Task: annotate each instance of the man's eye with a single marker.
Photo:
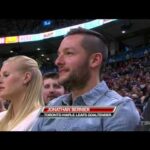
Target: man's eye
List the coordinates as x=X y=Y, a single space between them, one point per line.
x=69 y=53
x=57 y=86
x=6 y=75
x=46 y=86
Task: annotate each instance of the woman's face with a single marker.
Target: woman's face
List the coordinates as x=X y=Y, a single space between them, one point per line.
x=11 y=81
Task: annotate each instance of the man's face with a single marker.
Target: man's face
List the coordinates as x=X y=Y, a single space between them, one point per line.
x=73 y=62
x=52 y=89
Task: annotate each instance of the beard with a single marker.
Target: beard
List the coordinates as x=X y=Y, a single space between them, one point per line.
x=78 y=78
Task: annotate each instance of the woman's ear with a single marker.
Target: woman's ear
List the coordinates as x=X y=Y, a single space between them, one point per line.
x=95 y=60
x=27 y=77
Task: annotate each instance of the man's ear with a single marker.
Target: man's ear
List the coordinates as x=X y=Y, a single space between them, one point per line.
x=27 y=77
x=95 y=60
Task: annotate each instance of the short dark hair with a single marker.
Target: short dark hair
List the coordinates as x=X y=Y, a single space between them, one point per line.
x=92 y=45
x=53 y=75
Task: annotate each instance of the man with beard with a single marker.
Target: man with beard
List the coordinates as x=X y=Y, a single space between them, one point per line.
x=51 y=88
x=81 y=56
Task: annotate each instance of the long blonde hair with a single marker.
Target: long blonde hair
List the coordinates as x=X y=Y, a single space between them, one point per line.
x=33 y=94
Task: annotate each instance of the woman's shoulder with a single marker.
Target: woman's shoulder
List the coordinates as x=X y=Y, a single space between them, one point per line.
x=2 y=114
x=27 y=123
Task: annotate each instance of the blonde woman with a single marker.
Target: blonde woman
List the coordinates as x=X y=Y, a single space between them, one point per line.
x=21 y=83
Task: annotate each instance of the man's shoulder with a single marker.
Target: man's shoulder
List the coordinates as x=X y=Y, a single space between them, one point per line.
x=114 y=98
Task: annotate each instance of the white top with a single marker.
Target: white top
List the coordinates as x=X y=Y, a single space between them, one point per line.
x=27 y=123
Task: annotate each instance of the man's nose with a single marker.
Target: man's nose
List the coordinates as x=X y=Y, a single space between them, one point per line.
x=59 y=60
x=0 y=80
x=51 y=90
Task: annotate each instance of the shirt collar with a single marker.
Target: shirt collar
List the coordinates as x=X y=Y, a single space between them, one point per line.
x=67 y=101
x=94 y=95
x=89 y=98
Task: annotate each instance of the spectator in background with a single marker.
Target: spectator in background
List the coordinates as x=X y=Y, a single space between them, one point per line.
x=138 y=103
x=146 y=117
x=146 y=98
x=21 y=83
x=145 y=121
x=51 y=87
x=81 y=55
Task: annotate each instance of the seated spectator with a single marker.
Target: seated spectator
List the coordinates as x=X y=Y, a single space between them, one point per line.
x=21 y=83
x=81 y=55
x=51 y=88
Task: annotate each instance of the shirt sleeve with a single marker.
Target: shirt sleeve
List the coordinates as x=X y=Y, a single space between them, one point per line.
x=125 y=118
x=38 y=125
